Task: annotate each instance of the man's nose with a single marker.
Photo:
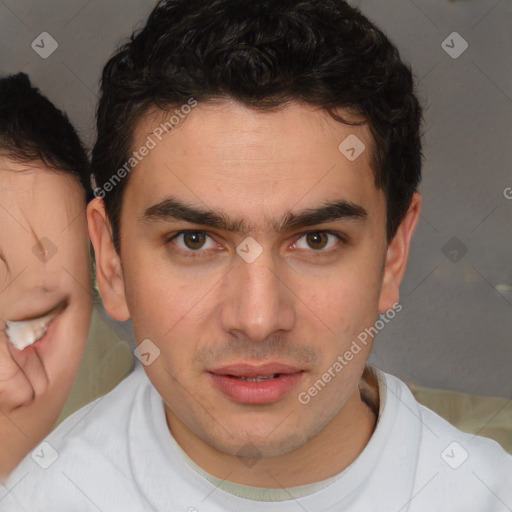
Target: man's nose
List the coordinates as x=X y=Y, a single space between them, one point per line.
x=257 y=300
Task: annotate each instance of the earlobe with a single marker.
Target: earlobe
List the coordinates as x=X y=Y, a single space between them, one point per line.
x=108 y=265
x=397 y=256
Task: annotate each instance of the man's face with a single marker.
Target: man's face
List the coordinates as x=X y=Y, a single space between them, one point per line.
x=44 y=270
x=217 y=309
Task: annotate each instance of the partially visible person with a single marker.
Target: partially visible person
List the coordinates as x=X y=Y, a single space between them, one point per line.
x=45 y=268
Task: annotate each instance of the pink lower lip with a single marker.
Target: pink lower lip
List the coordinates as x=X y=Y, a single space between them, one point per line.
x=256 y=393
x=42 y=344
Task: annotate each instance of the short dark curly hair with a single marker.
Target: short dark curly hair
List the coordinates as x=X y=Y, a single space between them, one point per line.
x=33 y=129
x=264 y=54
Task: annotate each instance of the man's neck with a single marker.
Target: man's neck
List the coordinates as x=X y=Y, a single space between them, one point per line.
x=323 y=456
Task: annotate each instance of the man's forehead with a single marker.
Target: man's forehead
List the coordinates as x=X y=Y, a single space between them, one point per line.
x=228 y=136
x=302 y=126
x=204 y=168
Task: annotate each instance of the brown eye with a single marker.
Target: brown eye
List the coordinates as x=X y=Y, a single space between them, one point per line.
x=194 y=240
x=317 y=240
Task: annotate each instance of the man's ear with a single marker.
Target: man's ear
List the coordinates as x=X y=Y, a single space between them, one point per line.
x=397 y=255
x=108 y=265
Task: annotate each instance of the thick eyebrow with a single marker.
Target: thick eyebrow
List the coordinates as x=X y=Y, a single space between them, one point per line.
x=330 y=212
x=171 y=209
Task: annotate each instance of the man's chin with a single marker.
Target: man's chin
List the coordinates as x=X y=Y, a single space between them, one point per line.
x=256 y=441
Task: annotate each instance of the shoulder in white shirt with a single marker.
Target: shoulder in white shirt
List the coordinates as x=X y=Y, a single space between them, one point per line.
x=117 y=454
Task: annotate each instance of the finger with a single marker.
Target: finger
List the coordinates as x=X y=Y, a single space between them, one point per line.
x=15 y=388
x=32 y=365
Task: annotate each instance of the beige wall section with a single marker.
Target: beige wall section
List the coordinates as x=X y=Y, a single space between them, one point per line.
x=107 y=360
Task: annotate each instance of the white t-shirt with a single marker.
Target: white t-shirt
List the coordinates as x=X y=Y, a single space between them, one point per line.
x=118 y=455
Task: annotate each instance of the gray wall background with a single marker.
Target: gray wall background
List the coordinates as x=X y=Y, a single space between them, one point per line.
x=455 y=329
